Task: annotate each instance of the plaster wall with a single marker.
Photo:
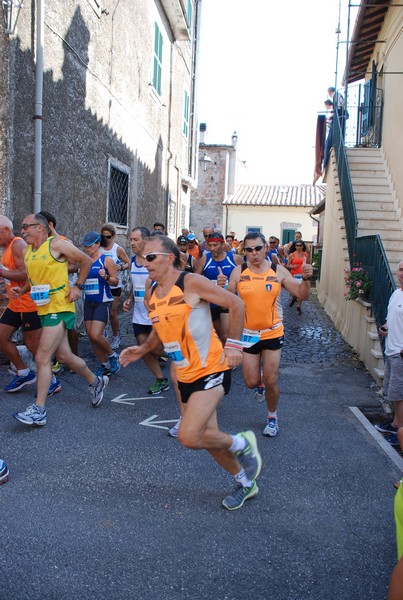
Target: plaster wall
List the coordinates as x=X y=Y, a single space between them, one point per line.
x=271 y=219
x=98 y=105
x=389 y=59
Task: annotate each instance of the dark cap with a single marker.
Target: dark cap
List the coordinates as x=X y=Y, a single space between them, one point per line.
x=182 y=239
x=90 y=238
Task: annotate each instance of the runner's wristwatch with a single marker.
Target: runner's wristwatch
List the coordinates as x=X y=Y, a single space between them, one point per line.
x=79 y=285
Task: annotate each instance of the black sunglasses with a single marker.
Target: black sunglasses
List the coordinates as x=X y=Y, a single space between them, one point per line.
x=153 y=256
x=298 y=245
x=256 y=248
x=25 y=226
x=108 y=237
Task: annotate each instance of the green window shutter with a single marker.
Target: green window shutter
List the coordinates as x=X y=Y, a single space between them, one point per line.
x=185 y=129
x=157 y=70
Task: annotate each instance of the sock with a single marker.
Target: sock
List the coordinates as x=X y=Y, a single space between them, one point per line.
x=242 y=479
x=95 y=382
x=272 y=415
x=54 y=380
x=114 y=355
x=106 y=364
x=238 y=443
x=40 y=408
x=23 y=372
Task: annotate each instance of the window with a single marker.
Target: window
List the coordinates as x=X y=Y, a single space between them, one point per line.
x=157 y=68
x=185 y=128
x=287 y=236
x=252 y=229
x=118 y=197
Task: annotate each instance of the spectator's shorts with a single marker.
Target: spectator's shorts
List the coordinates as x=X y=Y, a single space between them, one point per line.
x=393 y=379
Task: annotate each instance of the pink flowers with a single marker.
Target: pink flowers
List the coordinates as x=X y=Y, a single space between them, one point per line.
x=358 y=283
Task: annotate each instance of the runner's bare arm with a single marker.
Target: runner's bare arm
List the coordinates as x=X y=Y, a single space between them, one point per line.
x=20 y=273
x=300 y=290
x=133 y=353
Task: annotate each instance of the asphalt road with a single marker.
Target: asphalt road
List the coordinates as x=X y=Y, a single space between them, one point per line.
x=102 y=506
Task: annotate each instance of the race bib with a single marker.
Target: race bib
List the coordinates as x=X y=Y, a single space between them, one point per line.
x=40 y=294
x=250 y=337
x=173 y=350
x=139 y=293
x=91 y=286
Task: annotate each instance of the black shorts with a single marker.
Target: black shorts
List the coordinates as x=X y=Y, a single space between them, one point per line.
x=28 y=321
x=138 y=328
x=216 y=311
x=273 y=344
x=97 y=311
x=205 y=383
x=116 y=292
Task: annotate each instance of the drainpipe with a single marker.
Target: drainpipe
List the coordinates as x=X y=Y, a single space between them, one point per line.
x=38 y=106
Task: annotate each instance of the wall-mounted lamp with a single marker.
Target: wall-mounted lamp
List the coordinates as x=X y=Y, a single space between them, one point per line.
x=205 y=161
x=11 y=12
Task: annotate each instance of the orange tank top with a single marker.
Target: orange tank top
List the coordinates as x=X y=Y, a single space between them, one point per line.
x=296 y=264
x=23 y=303
x=187 y=333
x=263 y=311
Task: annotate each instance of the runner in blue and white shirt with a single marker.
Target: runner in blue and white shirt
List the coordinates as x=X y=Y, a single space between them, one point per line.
x=217 y=265
x=141 y=322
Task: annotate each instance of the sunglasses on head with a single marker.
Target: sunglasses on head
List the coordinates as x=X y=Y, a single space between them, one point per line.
x=153 y=255
x=256 y=248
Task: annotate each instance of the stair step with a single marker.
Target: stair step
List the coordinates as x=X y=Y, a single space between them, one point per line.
x=379 y=225
x=379 y=372
x=369 y=181
x=392 y=245
x=393 y=234
x=377 y=353
x=374 y=198
x=359 y=188
x=385 y=215
x=369 y=319
x=373 y=335
x=359 y=174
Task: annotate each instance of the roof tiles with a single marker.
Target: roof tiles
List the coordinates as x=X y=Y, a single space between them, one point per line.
x=305 y=196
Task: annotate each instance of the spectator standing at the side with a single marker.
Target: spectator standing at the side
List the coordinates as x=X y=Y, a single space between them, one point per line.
x=392 y=331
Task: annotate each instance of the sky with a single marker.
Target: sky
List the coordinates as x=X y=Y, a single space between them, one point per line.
x=264 y=70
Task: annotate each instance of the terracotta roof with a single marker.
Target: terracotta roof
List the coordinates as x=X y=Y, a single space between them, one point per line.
x=369 y=22
x=305 y=196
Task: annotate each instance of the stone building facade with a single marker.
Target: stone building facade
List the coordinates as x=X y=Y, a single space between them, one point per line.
x=119 y=141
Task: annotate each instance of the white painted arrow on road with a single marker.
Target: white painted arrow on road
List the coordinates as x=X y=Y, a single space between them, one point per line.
x=130 y=401
x=150 y=423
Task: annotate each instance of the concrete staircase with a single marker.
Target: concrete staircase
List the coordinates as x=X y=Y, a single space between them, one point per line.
x=377 y=213
x=375 y=201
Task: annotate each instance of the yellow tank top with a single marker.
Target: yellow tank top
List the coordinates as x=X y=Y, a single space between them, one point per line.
x=44 y=269
x=261 y=295
x=187 y=334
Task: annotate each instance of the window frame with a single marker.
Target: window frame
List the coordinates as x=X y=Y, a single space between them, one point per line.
x=114 y=163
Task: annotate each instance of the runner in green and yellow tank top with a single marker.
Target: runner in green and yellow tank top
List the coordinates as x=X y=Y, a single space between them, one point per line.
x=46 y=260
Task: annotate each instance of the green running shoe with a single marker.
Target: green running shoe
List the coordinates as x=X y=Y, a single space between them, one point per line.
x=249 y=458
x=239 y=495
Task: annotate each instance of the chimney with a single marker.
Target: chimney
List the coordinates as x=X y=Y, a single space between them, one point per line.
x=203 y=129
